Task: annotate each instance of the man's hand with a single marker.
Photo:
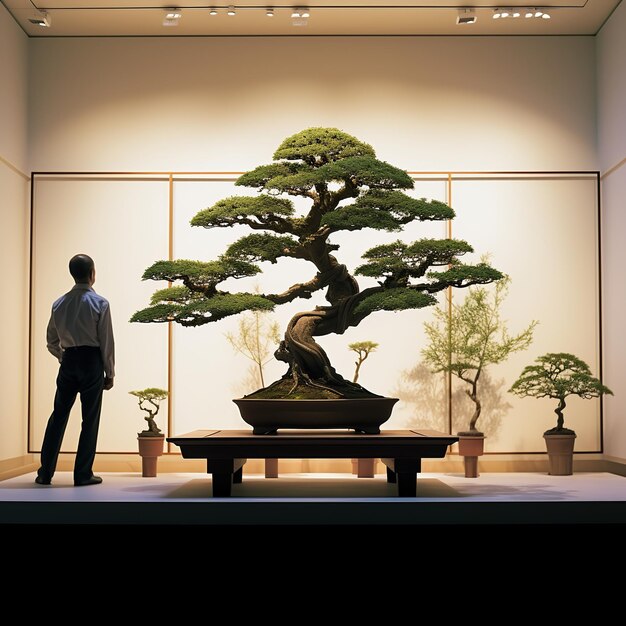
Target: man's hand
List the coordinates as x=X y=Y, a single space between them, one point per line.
x=108 y=384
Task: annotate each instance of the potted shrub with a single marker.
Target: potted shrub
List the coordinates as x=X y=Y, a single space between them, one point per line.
x=348 y=189
x=150 y=440
x=557 y=376
x=363 y=468
x=464 y=342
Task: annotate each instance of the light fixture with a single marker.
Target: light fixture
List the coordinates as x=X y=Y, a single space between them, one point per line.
x=172 y=17
x=516 y=14
x=529 y=13
x=545 y=16
x=466 y=16
x=300 y=16
x=213 y=12
x=41 y=18
x=231 y=11
x=269 y=12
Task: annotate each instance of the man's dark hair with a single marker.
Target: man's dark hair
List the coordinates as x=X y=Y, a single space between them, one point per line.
x=81 y=267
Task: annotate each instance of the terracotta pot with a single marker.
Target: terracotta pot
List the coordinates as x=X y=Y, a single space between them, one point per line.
x=364 y=415
x=470 y=448
x=150 y=449
x=560 y=454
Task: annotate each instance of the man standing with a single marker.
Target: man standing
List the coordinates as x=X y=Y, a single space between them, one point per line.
x=80 y=336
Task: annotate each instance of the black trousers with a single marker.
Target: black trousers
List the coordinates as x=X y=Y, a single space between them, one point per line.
x=81 y=372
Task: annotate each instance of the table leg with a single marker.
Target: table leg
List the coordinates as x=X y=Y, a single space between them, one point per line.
x=407 y=484
x=391 y=476
x=271 y=468
x=238 y=476
x=222 y=484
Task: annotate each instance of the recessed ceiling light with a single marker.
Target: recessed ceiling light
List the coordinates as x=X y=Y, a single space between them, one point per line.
x=41 y=18
x=466 y=16
x=231 y=11
x=269 y=12
x=213 y=12
x=172 y=17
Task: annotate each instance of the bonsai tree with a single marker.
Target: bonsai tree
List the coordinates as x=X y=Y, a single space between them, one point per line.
x=150 y=402
x=471 y=337
x=558 y=375
x=348 y=189
x=363 y=349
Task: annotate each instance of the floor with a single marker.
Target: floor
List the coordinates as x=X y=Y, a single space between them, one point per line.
x=528 y=498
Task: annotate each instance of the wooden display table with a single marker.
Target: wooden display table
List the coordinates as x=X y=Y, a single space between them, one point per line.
x=226 y=451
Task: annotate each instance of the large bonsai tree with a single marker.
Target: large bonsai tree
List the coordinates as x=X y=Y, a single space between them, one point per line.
x=349 y=189
x=472 y=336
x=558 y=375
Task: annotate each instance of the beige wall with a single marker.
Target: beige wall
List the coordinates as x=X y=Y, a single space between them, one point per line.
x=13 y=237
x=611 y=55
x=223 y=103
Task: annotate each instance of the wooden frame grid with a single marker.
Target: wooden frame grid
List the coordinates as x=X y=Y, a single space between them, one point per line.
x=447 y=177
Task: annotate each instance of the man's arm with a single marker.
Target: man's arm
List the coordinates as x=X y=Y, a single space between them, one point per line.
x=107 y=345
x=53 y=341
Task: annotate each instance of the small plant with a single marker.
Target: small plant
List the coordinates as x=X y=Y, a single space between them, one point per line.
x=150 y=401
x=257 y=338
x=470 y=338
x=363 y=349
x=558 y=375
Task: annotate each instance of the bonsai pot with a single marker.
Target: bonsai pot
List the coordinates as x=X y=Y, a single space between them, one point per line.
x=150 y=449
x=365 y=415
x=470 y=448
x=560 y=453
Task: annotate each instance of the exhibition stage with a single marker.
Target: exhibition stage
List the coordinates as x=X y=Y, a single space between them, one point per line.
x=324 y=499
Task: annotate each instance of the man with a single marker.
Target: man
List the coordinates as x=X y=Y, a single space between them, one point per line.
x=80 y=336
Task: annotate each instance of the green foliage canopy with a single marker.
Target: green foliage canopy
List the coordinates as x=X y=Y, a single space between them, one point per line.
x=558 y=375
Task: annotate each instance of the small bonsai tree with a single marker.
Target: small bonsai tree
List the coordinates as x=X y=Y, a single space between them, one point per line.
x=327 y=167
x=150 y=401
x=471 y=337
x=255 y=339
x=558 y=375
x=363 y=349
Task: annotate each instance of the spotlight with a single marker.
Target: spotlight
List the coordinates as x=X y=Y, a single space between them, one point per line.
x=213 y=12
x=546 y=16
x=300 y=16
x=172 y=17
x=496 y=15
x=516 y=14
x=504 y=14
x=231 y=11
x=269 y=12
x=41 y=18
x=538 y=13
x=466 y=16
x=529 y=13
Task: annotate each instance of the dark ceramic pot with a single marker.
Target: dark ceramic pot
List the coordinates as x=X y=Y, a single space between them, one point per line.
x=365 y=415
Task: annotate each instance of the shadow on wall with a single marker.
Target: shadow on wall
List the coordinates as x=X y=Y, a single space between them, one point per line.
x=424 y=394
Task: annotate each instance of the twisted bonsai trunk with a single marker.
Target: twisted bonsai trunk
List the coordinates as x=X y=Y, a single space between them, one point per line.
x=559 y=428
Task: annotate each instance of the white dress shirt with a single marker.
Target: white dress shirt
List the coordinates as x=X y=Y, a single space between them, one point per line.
x=81 y=317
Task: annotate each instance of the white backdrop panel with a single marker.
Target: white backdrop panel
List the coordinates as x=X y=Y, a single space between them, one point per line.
x=123 y=225
x=543 y=233
x=207 y=371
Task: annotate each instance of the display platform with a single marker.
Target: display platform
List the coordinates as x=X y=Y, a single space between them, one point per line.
x=227 y=451
x=324 y=499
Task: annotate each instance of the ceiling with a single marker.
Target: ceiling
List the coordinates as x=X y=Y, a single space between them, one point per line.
x=96 y=18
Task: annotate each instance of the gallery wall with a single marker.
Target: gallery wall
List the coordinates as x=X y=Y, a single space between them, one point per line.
x=224 y=104
x=611 y=59
x=13 y=236
x=466 y=103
